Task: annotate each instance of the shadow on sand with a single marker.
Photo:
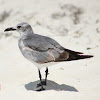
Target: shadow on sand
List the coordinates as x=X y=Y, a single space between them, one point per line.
x=51 y=85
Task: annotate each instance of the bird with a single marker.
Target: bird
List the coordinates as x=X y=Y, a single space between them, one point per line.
x=42 y=51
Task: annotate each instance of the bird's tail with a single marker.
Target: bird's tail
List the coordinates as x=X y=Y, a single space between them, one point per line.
x=73 y=55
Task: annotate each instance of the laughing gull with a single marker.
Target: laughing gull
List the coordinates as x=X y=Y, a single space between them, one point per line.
x=42 y=51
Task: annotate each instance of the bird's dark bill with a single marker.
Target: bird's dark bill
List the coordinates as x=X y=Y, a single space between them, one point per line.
x=10 y=29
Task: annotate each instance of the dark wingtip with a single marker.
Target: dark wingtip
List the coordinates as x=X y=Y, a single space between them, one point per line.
x=73 y=52
x=79 y=57
x=89 y=56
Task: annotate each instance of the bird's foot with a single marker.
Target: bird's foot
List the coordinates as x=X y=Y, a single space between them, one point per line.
x=41 y=89
x=40 y=84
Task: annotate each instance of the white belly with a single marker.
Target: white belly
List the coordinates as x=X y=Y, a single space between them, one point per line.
x=44 y=65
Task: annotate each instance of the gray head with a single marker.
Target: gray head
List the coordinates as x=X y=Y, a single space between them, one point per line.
x=22 y=28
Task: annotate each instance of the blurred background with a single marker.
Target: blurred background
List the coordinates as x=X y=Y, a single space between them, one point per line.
x=75 y=18
x=75 y=24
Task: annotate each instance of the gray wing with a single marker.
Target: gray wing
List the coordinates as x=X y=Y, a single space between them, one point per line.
x=42 y=43
x=45 y=49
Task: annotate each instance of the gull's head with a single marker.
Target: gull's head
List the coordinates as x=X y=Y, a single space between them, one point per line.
x=22 y=28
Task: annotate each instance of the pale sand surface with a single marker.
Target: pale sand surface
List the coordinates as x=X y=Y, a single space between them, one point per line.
x=75 y=24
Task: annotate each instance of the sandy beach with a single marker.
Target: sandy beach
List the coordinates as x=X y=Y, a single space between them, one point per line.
x=75 y=24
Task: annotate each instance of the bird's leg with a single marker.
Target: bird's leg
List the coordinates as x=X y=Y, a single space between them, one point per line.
x=45 y=81
x=40 y=82
x=46 y=75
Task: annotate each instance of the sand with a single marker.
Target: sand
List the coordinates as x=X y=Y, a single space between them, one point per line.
x=75 y=24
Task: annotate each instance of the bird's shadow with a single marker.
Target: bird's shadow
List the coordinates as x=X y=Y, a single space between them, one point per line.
x=51 y=85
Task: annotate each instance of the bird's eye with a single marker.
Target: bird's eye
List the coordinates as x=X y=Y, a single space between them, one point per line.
x=18 y=27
